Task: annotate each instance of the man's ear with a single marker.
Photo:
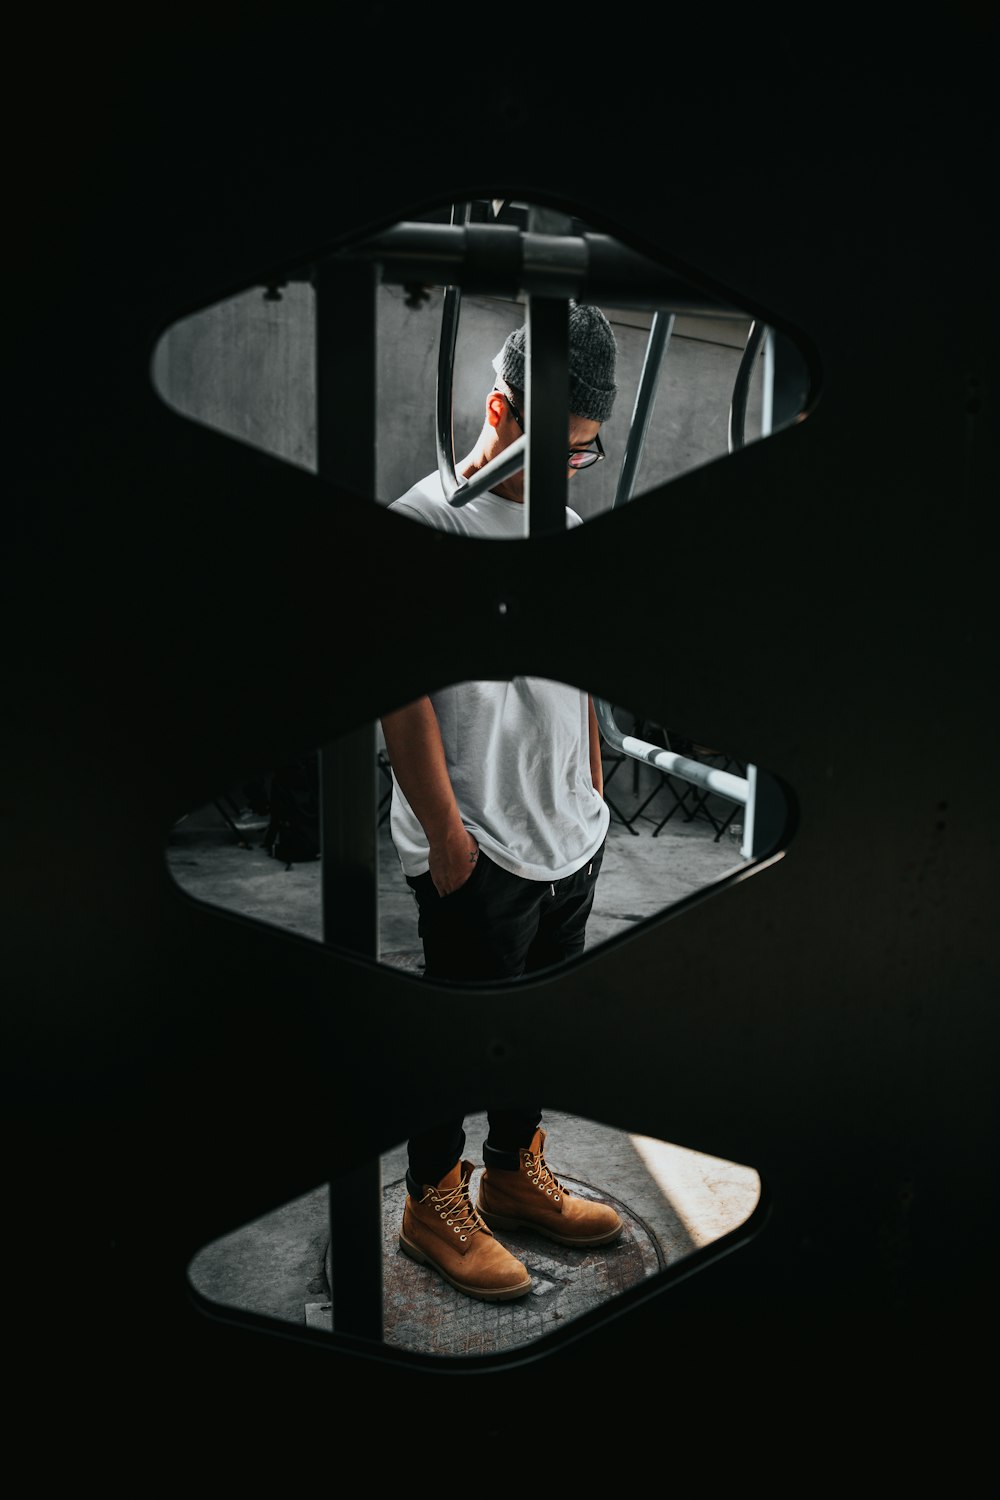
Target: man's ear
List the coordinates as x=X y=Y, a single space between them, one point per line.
x=495 y=408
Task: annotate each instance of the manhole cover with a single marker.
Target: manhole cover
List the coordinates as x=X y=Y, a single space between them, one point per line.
x=422 y=1312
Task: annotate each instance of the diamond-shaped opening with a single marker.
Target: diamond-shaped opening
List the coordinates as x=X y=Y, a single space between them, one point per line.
x=676 y=818
x=697 y=376
x=673 y=1202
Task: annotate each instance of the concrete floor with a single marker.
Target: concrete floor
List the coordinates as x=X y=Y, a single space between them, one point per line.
x=672 y=1200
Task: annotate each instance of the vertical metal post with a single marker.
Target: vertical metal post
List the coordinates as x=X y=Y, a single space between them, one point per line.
x=660 y=329
x=741 y=388
x=547 y=414
x=766 y=816
x=767 y=390
x=749 y=814
x=346 y=447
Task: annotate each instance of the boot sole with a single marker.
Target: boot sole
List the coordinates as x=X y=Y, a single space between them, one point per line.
x=499 y=1221
x=481 y=1293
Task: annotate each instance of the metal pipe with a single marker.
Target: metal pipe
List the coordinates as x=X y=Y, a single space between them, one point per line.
x=445 y=432
x=733 y=788
x=741 y=387
x=660 y=329
x=459 y=491
x=767 y=403
x=750 y=821
x=502 y=260
x=502 y=467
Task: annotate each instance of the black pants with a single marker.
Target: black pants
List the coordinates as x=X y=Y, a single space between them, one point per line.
x=495 y=926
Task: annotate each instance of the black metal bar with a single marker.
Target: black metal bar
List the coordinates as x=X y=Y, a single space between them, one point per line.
x=346 y=424
x=660 y=329
x=385 y=802
x=446 y=378
x=349 y=874
x=459 y=491
x=547 y=414
x=501 y=260
x=445 y=429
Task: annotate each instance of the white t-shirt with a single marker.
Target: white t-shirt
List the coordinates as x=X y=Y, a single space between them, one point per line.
x=517 y=752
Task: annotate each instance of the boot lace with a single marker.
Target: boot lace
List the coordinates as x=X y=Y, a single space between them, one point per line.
x=541 y=1174
x=457 y=1210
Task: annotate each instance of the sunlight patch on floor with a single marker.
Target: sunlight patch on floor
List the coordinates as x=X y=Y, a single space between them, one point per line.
x=711 y=1196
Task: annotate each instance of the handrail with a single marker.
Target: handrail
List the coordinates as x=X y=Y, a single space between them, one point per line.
x=710 y=778
x=445 y=393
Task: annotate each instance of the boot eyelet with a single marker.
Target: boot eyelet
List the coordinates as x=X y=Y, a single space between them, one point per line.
x=462 y=1237
x=549 y=1192
x=449 y=1222
x=458 y=1229
x=556 y=1198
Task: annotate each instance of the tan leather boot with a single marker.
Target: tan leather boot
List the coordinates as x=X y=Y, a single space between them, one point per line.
x=529 y=1197
x=442 y=1229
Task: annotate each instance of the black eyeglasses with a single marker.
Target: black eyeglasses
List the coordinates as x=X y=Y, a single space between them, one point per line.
x=578 y=458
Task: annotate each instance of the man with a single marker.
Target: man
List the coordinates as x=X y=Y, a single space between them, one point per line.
x=499 y=821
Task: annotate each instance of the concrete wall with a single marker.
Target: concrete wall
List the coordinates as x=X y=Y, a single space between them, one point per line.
x=246 y=366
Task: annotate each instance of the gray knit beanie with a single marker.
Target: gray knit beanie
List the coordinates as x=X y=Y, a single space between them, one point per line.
x=592 y=352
